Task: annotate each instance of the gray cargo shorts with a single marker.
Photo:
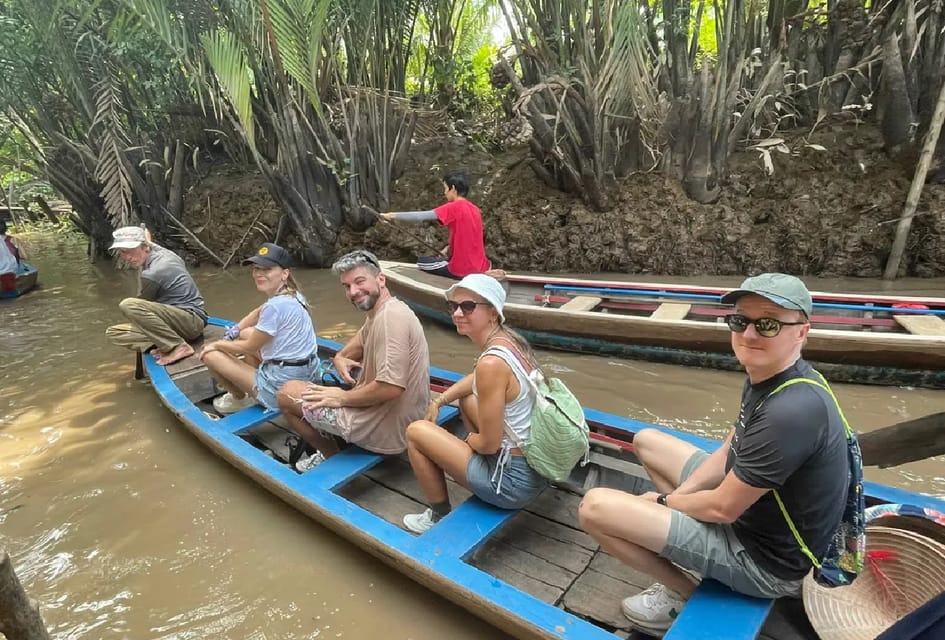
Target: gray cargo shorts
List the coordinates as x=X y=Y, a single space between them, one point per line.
x=714 y=551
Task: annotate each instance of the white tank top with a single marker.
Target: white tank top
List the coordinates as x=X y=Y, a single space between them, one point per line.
x=518 y=413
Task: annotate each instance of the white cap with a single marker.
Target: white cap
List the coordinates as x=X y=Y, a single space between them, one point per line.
x=487 y=287
x=128 y=238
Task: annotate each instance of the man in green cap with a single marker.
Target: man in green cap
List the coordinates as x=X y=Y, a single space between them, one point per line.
x=716 y=515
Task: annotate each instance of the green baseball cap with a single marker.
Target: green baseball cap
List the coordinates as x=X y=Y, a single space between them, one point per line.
x=780 y=288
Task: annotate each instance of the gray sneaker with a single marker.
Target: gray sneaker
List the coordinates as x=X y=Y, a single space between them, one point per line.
x=309 y=462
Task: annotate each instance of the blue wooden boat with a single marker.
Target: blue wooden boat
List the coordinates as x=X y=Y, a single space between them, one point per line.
x=24 y=279
x=854 y=338
x=533 y=573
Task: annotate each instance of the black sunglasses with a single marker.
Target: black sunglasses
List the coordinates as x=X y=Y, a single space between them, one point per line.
x=766 y=327
x=466 y=306
x=367 y=257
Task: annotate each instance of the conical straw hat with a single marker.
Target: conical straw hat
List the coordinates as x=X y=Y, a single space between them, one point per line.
x=903 y=571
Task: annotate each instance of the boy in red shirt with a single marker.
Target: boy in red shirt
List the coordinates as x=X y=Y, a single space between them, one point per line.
x=466 y=251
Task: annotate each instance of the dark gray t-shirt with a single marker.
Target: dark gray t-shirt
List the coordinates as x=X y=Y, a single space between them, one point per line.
x=165 y=279
x=795 y=443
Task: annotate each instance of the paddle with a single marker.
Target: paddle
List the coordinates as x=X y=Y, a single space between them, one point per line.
x=399 y=228
x=904 y=442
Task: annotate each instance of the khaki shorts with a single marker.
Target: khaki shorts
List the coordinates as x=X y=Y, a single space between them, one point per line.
x=714 y=551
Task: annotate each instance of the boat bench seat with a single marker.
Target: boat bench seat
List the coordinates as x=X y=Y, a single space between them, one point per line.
x=352 y=461
x=671 y=311
x=713 y=607
x=467 y=527
x=921 y=324
x=581 y=303
x=254 y=415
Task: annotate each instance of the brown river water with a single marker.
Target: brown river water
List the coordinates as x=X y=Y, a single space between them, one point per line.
x=124 y=526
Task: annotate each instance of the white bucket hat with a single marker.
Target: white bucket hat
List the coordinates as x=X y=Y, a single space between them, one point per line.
x=486 y=286
x=128 y=238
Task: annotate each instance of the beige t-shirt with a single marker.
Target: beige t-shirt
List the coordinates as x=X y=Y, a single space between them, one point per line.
x=395 y=352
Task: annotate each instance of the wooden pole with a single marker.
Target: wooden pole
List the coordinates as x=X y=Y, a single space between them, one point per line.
x=19 y=616
x=915 y=191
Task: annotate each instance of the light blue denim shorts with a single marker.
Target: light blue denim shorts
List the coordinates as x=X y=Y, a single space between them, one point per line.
x=520 y=484
x=270 y=376
x=714 y=551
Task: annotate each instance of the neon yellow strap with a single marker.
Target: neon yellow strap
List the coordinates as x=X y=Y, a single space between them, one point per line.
x=826 y=387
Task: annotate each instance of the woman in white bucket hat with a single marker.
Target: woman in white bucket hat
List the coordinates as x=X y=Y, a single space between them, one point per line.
x=494 y=399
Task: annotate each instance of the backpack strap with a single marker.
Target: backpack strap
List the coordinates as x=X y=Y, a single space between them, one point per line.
x=849 y=433
x=516 y=361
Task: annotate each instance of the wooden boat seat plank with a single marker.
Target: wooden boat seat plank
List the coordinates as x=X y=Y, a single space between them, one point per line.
x=714 y=606
x=210 y=333
x=581 y=303
x=340 y=468
x=196 y=384
x=246 y=419
x=466 y=528
x=671 y=311
x=922 y=325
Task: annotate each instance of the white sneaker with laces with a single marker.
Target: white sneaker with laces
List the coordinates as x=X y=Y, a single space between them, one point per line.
x=419 y=522
x=227 y=404
x=654 y=609
x=305 y=463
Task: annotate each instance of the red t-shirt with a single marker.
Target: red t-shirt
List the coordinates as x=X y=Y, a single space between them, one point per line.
x=467 y=249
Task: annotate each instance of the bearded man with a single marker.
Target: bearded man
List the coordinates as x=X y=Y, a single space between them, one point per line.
x=387 y=363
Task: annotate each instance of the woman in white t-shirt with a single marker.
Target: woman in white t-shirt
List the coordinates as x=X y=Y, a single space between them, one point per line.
x=273 y=344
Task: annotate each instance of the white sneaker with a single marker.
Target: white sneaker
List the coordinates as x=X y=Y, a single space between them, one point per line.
x=419 y=522
x=305 y=463
x=227 y=404
x=654 y=609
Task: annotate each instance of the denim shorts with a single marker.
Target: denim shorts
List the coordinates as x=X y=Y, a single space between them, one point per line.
x=520 y=484
x=714 y=551
x=270 y=376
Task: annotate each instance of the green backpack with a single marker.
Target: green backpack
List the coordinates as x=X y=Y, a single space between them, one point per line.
x=559 y=435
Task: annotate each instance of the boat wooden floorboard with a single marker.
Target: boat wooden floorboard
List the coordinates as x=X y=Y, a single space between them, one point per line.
x=541 y=551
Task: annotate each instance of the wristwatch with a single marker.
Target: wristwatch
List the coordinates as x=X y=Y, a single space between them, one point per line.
x=661 y=499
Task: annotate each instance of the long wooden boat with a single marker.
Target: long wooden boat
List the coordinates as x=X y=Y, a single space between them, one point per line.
x=532 y=573
x=24 y=279
x=864 y=339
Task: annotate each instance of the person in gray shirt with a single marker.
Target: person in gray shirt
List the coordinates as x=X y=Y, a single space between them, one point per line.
x=168 y=311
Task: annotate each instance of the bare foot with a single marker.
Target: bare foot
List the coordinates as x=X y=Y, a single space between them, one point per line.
x=157 y=353
x=180 y=352
x=498 y=274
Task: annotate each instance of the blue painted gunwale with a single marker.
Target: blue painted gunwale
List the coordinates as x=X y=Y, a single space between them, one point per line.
x=438 y=556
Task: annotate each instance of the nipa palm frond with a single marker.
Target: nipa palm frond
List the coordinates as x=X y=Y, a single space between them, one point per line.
x=229 y=64
x=111 y=170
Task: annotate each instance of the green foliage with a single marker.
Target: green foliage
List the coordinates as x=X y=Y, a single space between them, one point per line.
x=708 y=41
